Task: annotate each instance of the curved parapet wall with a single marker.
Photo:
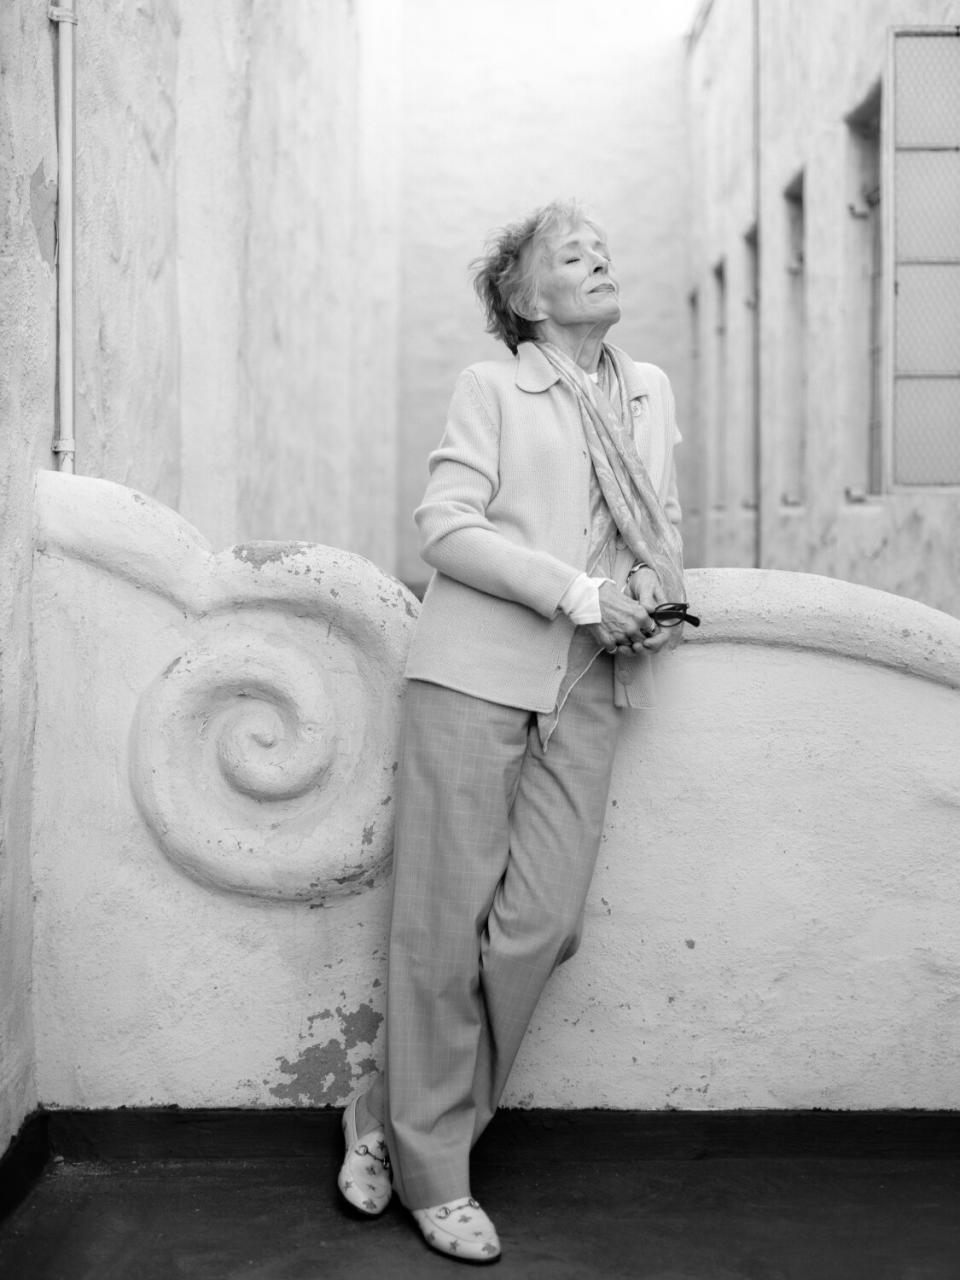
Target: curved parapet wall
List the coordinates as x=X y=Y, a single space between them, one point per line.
x=774 y=921
x=262 y=749
x=824 y=615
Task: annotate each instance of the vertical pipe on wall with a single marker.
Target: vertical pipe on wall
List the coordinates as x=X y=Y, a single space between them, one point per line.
x=65 y=17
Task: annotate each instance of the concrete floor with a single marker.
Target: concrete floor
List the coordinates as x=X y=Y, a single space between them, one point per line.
x=614 y=1215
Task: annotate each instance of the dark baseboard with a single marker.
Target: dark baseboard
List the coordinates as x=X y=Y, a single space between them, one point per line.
x=23 y=1162
x=174 y=1134
x=169 y=1133
x=701 y=1135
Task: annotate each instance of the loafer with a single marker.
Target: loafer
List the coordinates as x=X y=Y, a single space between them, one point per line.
x=364 y=1178
x=460 y=1229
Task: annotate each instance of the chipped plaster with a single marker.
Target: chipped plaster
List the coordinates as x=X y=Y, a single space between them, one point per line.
x=43 y=211
x=324 y=1073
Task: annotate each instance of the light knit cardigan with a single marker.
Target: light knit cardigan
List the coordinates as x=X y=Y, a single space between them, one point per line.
x=505 y=524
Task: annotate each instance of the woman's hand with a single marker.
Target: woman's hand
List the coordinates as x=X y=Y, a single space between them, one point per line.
x=625 y=624
x=644 y=586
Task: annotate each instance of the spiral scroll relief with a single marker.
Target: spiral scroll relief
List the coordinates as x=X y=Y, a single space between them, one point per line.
x=262 y=758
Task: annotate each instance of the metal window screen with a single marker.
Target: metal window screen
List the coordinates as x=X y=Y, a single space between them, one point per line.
x=928 y=205
x=928 y=319
x=926 y=239
x=927 y=108
x=927 y=443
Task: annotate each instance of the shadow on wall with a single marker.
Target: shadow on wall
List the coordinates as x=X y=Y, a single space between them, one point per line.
x=774 y=921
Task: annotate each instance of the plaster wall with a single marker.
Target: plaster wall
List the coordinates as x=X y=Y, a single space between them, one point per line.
x=28 y=166
x=285 y=205
x=502 y=112
x=237 y=264
x=321 y=277
x=774 y=922
x=819 y=61
x=213 y=104
x=235 y=285
x=128 y=393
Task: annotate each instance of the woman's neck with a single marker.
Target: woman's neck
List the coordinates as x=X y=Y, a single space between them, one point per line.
x=583 y=345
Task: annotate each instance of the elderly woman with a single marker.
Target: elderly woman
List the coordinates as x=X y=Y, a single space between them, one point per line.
x=550 y=519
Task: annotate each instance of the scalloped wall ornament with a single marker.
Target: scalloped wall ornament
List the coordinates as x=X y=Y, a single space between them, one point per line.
x=262 y=757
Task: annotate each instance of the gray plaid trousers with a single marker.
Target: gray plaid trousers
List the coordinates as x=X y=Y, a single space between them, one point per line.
x=496 y=843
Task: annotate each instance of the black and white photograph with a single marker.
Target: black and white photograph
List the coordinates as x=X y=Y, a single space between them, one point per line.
x=480 y=642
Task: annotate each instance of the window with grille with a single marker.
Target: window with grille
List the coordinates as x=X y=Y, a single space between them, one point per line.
x=923 y=186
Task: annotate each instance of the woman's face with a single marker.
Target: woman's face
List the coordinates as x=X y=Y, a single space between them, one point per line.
x=575 y=280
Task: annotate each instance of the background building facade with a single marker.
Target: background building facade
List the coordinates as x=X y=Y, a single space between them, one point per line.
x=824 y=291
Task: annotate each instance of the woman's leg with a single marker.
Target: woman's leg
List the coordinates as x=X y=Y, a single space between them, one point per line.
x=555 y=828
x=460 y=761
x=372 y=1106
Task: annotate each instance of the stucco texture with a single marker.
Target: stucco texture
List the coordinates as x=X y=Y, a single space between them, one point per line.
x=28 y=170
x=320 y=266
x=774 y=921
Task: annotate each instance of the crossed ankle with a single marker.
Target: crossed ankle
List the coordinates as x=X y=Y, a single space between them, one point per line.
x=366 y=1121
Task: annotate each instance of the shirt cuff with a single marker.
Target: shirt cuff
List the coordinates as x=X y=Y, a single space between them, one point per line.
x=581 y=600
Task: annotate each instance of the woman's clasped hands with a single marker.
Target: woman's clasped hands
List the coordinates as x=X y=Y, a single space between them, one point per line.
x=626 y=624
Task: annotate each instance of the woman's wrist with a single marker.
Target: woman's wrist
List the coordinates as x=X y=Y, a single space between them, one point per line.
x=581 y=600
x=634 y=569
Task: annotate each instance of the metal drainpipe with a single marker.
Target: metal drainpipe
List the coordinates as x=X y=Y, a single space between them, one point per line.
x=66 y=19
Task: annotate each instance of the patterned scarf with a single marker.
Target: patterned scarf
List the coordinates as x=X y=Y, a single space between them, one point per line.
x=624 y=481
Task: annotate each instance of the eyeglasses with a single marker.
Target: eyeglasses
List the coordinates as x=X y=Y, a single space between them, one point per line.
x=672 y=614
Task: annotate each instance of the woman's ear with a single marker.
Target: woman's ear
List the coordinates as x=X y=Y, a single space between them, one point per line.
x=529 y=309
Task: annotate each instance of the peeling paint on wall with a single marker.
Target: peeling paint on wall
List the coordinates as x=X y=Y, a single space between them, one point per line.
x=361 y=1026
x=323 y=1074
x=259 y=554
x=43 y=212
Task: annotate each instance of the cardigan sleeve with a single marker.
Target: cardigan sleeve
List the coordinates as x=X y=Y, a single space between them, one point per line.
x=457 y=537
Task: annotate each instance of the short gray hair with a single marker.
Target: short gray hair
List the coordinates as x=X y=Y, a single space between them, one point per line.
x=505 y=276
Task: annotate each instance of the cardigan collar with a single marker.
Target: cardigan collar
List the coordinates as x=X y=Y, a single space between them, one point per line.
x=536 y=373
